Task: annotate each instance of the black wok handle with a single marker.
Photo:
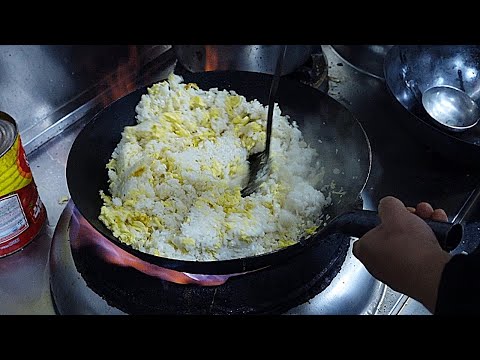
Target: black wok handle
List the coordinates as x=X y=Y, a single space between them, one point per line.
x=358 y=222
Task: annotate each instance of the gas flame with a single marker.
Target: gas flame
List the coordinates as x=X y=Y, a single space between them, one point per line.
x=122 y=80
x=83 y=234
x=211 y=58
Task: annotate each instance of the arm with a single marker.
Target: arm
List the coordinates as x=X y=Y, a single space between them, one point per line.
x=459 y=288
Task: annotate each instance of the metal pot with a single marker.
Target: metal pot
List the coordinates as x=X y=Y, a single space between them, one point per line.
x=254 y=58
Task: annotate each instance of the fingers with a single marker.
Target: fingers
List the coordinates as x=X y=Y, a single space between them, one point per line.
x=424 y=210
x=389 y=208
x=439 y=215
x=411 y=209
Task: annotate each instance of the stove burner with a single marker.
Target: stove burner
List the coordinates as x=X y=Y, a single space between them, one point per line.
x=272 y=290
x=138 y=290
x=135 y=287
x=82 y=282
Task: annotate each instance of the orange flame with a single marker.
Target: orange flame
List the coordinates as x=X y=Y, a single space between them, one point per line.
x=85 y=234
x=211 y=58
x=122 y=80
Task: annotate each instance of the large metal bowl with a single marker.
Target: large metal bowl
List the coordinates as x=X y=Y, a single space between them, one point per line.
x=409 y=70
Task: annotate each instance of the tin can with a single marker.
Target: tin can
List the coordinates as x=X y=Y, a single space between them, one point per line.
x=22 y=213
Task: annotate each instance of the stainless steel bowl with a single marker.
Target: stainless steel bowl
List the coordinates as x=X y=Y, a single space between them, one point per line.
x=254 y=58
x=410 y=70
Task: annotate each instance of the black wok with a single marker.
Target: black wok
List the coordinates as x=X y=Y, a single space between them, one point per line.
x=326 y=125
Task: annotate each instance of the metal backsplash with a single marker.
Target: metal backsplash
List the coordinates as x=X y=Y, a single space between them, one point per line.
x=40 y=85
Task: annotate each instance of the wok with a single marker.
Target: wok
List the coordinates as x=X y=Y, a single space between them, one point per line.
x=326 y=124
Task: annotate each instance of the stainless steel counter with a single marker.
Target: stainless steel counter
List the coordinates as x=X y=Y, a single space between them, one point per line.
x=401 y=167
x=24 y=275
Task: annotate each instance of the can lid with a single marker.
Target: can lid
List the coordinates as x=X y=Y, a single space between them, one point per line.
x=8 y=134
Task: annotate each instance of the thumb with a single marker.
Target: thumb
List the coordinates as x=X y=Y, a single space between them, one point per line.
x=390 y=208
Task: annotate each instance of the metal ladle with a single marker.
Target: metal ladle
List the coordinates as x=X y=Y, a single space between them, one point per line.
x=450 y=107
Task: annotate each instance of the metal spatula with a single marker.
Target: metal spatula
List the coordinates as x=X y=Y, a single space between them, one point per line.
x=260 y=162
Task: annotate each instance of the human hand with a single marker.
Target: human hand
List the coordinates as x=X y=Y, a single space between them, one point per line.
x=403 y=251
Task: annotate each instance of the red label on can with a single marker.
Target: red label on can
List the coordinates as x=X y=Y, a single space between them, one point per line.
x=22 y=215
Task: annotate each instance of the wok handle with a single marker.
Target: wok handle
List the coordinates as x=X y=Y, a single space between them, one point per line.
x=358 y=222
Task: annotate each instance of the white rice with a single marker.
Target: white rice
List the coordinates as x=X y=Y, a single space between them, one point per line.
x=175 y=177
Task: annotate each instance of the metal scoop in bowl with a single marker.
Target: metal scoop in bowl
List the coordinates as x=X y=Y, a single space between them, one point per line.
x=450 y=107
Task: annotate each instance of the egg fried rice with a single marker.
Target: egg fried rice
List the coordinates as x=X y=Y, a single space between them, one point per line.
x=175 y=177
